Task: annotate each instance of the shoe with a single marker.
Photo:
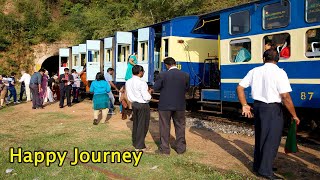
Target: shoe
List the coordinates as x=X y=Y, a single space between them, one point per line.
x=123 y=116
x=17 y=102
x=181 y=152
x=111 y=113
x=34 y=108
x=69 y=105
x=159 y=152
x=40 y=108
x=61 y=106
x=274 y=169
x=95 y=122
x=272 y=177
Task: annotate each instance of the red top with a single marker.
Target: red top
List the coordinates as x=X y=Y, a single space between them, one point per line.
x=285 y=52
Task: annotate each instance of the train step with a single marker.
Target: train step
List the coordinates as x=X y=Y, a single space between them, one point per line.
x=213 y=112
x=209 y=102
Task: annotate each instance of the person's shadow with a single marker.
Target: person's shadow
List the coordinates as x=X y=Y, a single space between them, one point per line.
x=291 y=167
x=225 y=145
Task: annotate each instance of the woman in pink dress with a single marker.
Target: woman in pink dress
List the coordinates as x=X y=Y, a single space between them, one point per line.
x=44 y=85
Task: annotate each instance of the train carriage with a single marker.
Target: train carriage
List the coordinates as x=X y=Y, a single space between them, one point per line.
x=283 y=23
x=64 y=59
x=94 y=54
x=76 y=62
x=108 y=53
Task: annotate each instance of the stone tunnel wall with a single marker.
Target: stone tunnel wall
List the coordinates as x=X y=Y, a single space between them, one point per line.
x=43 y=51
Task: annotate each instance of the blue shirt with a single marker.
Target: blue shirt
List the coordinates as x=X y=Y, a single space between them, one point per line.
x=36 y=78
x=100 y=87
x=243 y=56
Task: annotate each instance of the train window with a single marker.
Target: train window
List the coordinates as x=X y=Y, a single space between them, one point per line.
x=95 y=55
x=64 y=61
x=108 y=55
x=240 y=50
x=313 y=43
x=276 y=15
x=312 y=11
x=83 y=59
x=166 y=47
x=239 y=23
x=280 y=42
x=75 y=60
x=124 y=53
x=144 y=50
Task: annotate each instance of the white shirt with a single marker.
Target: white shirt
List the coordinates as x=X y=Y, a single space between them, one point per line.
x=25 y=78
x=137 y=90
x=77 y=80
x=108 y=77
x=173 y=67
x=267 y=83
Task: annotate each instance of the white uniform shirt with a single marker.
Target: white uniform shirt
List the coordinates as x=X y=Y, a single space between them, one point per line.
x=25 y=78
x=267 y=83
x=137 y=90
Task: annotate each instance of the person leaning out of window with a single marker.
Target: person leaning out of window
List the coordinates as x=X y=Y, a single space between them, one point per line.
x=100 y=89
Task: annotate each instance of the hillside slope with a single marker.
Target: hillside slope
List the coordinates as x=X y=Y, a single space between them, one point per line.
x=25 y=23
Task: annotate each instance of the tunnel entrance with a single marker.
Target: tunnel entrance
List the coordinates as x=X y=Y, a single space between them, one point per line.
x=51 y=64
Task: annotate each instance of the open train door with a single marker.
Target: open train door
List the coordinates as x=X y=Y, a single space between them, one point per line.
x=93 y=59
x=146 y=52
x=108 y=53
x=64 y=59
x=123 y=49
x=76 y=62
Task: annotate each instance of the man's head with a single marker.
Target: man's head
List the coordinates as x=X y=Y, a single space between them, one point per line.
x=23 y=71
x=73 y=71
x=1 y=77
x=169 y=62
x=13 y=74
x=110 y=71
x=42 y=71
x=66 y=70
x=138 y=70
x=267 y=45
x=270 y=56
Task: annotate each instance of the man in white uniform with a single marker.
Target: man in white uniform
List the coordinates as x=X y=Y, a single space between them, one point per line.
x=270 y=88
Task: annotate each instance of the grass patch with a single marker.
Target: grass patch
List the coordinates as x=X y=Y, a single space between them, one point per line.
x=62 y=132
x=55 y=115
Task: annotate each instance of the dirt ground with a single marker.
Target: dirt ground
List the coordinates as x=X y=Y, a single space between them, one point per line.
x=221 y=151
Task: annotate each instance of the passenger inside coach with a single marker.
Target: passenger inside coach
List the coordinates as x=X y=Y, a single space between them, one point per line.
x=285 y=49
x=243 y=54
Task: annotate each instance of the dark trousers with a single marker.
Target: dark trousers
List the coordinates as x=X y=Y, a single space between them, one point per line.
x=179 y=121
x=141 y=119
x=65 y=91
x=268 y=130
x=75 y=92
x=36 y=102
x=22 y=91
x=13 y=93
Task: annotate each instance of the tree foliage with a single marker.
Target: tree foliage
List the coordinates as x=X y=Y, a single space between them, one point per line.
x=36 y=21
